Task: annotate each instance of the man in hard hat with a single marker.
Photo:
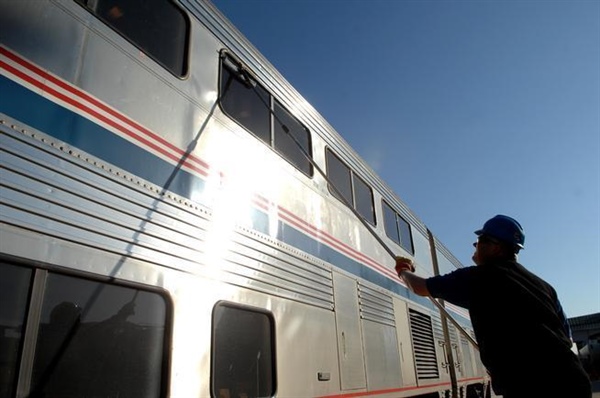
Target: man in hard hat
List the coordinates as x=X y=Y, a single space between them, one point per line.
x=523 y=335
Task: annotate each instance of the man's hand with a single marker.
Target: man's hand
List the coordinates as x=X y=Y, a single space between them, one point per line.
x=404 y=264
x=414 y=282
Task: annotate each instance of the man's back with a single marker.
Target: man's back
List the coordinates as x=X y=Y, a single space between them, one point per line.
x=519 y=324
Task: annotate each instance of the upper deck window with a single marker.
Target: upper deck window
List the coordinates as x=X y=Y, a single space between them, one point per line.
x=253 y=107
x=157 y=27
x=397 y=228
x=350 y=186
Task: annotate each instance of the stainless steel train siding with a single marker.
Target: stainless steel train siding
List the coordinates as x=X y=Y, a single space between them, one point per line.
x=155 y=243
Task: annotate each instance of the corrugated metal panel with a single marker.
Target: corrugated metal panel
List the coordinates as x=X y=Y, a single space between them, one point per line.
x=424 y=345
x=73 y=196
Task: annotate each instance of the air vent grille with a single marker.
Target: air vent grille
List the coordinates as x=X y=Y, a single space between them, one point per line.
x=424 y=345
x=375 y=306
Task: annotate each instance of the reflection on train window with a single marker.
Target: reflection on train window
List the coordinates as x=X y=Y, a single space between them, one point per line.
x=243 y=353
x=14 y=291
x=397 y=228
x=291 y=139
x=98 y=340
x=157 y=27
x=363 y=199
x=249 y=104
x=352 y=188
x=341 y=176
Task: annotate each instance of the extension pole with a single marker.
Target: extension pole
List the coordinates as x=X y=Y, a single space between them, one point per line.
x=382 y=243
x=377 y=237
x=433 y=300
x=248 y=79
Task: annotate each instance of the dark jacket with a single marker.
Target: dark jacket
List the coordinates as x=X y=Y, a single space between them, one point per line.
x=523 y=335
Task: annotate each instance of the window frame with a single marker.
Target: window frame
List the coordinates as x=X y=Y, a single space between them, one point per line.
x=329 y=153
x=36 y=299
x=272 y=340
x=244 y=77
x=336 y=190
x=371 y=198
x=398 y=220
x=183 y=58
x=14 y=362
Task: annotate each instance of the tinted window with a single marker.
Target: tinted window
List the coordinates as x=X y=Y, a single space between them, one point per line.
x=14 y=291
x=391 y=227
x=405 y=235
x=396 y=228
x=292 y=139
x=253 y=107
x=339 y=175
x=243 y=353
x=98 y=340
x=157 y=27
x=364 y=199
x=247 y=105
x=353 y=189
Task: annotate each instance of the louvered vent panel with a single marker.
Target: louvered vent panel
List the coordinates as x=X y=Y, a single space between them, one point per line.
x=463 y=340
x=375 y=306
x=424 y=345
x=453 y=335
x=438 y=331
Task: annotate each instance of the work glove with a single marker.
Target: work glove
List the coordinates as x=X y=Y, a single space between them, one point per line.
x=404 y=263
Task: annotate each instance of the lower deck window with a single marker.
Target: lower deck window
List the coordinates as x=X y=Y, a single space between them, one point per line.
x=14 y=291
x=92 y=338
x=243 y=352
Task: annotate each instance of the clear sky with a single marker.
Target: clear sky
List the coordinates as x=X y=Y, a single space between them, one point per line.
x=467 y=109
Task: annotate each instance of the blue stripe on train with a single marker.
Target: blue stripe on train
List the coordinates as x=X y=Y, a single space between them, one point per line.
x=44 y=115
x=307 y=244
x=68 y=126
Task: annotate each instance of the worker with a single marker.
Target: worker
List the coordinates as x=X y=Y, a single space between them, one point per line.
x=523 y=335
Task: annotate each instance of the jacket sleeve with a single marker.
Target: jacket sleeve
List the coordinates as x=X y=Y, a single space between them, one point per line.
x=455 y=287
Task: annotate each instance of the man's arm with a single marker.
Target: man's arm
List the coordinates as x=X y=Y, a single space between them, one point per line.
x=405 y=269
x=414 y=282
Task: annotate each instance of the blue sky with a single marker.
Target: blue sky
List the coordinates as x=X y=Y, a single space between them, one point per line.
x=467 y=109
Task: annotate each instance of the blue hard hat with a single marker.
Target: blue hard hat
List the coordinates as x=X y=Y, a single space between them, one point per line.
x=504 y=228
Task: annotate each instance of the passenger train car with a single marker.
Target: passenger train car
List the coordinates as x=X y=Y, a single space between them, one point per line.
x=177 y=221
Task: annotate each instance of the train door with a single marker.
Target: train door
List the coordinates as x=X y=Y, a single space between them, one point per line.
x=407 y=359
x=457 y=355
x=467 y=366
x=444 y=354
x=380 y=342
x=349 y=335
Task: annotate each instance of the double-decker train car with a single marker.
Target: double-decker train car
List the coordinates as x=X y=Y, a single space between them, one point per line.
x=177 y=221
